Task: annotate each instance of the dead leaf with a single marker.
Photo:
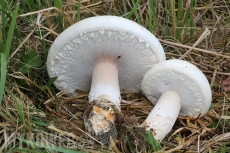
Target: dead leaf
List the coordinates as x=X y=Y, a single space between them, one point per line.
x=226 y=85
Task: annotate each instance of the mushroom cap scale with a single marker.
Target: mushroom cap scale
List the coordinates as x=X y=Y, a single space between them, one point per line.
x=183 y=77
x=77 y=50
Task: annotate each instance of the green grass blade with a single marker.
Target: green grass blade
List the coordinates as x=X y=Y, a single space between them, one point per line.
x=152 y=17
x=5 y=54
x=154 y=142
x=53 y=148
x=3 y=24
x=223 y=149
x=3 y=75
x=30 y=5
x=191 y=22
x=19 y=107
x=179 y=10
x=145 y=137
x=135 y=5
x=134 y=9
x=172 y=4
x=58 y=3
x=125 y=8
x=51 y=81
x=79 y=10
x=10 y=33
x=178 y=17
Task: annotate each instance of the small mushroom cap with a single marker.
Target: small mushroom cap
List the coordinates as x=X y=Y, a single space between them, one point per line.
x=77 y=50
x=183 y=77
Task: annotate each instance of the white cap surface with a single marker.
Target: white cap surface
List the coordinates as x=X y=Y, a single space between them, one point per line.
x=183 y=77
x=76 y=51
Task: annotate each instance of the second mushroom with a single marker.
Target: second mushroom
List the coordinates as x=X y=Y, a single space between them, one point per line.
x=177 y=88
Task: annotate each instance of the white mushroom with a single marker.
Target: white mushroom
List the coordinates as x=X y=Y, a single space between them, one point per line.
x=177 y=88
x=103 y=54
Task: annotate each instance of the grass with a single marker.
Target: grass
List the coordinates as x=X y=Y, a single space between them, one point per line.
x=31 y=106
x=152 y=141
x=6 y=50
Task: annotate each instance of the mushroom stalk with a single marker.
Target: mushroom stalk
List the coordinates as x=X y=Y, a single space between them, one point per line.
x=163 y=116
x=104 y=98
x=105 y=83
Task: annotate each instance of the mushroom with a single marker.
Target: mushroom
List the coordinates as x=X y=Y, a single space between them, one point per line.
x=177 y=88
x=103 y=54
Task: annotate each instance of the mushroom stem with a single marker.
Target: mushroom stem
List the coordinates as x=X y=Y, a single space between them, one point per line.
x=163 y=116
x=104 y=98
x=105 y=83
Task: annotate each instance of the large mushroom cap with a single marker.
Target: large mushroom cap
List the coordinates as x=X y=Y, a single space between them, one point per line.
x=76 y=50
x=183 y=77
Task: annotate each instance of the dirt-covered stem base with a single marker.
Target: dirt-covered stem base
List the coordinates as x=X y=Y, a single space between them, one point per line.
x=99 y=120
